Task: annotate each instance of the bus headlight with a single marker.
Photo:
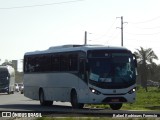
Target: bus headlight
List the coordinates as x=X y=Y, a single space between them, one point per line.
x=132 y=91
x=6 y=88
x=95 y=91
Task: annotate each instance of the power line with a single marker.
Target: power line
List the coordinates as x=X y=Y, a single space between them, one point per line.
x=143 y=34
x=18 y=7
x=107 y=31
x=132 y=39
x=146 y=21
x=147 y=28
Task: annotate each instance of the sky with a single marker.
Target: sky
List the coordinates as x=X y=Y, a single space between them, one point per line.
x=30 y=25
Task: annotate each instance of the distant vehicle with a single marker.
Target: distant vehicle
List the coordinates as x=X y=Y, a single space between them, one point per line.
x=16 y=87
x=7 y=79
x=81 y=74
x=153 y=83
x=21 y=87
x=150 y=83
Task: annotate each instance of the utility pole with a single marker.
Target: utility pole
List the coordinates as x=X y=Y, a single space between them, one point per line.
x=85 y=38
x=121 y=29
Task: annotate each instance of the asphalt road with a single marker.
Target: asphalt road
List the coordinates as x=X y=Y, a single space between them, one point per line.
x=18 y=103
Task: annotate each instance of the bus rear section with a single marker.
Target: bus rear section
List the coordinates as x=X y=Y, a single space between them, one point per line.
x=7 y=79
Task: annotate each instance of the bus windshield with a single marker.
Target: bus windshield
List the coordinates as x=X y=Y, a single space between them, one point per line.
x=3 y=77
x=3 y=74
x=116 y=70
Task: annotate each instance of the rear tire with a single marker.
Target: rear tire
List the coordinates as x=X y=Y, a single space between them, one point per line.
x=74 y=100
x=116 y=106
x=42 y=100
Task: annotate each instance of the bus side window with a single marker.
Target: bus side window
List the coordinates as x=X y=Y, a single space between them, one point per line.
x=82 y=66
x=56 y=63
x=73 y=62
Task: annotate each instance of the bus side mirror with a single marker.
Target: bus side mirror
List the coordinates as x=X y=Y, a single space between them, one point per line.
x=135 y=60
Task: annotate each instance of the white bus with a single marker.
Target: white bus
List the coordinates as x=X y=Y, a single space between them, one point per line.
x=81 y=75
x=7 y=79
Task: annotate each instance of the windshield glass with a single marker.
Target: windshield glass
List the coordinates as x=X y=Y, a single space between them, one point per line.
x=116 y=69
x=3 y=74
x=3 y=77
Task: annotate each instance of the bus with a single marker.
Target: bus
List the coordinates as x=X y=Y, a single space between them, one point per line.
x=7 y=79
x=81 y=74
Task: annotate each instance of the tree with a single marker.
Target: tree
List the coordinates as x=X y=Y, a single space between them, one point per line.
x=145 y=63
x=155 y=73
x=7 y=63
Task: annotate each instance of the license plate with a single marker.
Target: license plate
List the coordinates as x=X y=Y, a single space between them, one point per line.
x=115 y=100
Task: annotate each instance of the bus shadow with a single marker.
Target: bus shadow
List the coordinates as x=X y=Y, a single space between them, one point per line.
x=39 y=108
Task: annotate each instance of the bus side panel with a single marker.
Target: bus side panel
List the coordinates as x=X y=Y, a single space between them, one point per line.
x=83 y=94
x=59 y=86
x=31 y=92
x=57 y=94
x=56 y=86
x=31 y=86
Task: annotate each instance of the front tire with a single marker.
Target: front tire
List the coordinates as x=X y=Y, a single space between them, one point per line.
x=74 y=100
x=8 y=92
x=116 y=106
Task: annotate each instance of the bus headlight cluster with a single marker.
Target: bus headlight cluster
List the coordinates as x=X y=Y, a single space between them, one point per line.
x=6 y=88
x=95 y=91
x=132 y=91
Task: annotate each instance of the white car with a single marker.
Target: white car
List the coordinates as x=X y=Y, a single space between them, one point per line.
x=16 y=87
x=21 y=87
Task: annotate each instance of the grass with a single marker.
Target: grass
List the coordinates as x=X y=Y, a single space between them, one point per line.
x=144 y=100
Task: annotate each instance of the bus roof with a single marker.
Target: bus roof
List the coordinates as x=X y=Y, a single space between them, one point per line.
x=67 y=48
x=6 y=68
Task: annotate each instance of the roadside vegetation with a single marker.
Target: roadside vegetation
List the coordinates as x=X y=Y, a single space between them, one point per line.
x=144 y=100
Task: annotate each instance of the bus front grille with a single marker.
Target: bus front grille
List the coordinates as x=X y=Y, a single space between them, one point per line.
x=114 y=100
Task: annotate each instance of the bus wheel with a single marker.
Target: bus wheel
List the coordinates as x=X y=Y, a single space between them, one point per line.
x=116 y=106
x=74 y=100
x=8 y=92
x=42 y=100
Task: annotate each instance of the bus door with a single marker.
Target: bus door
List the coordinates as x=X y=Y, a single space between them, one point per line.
x=83 y=81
